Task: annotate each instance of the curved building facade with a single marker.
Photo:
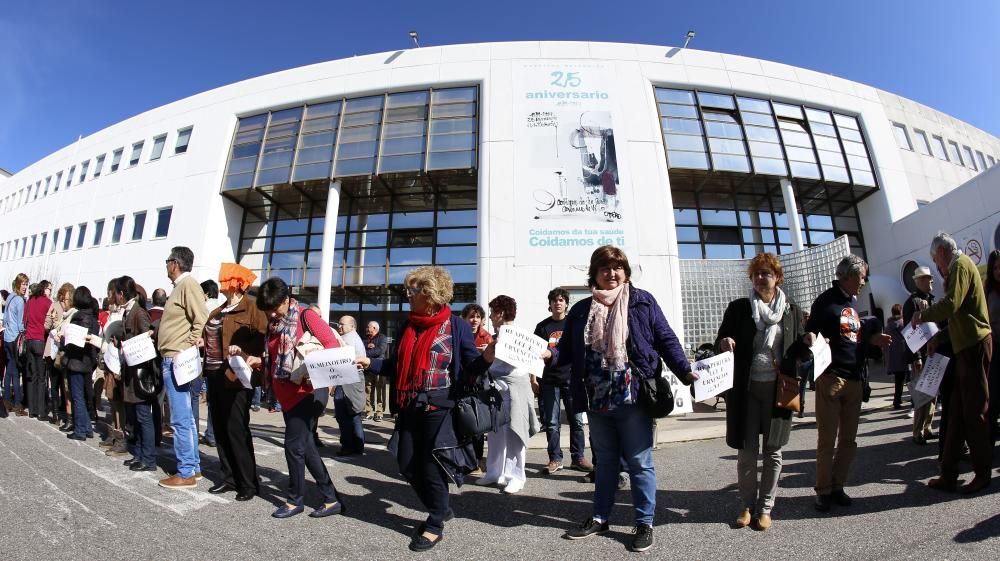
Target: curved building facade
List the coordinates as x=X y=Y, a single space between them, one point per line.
x=507 y=163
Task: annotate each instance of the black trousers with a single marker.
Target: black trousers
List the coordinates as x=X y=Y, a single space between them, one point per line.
x=899 y=378
x=301 y=453
x=418 y=430
x=38 y=380
x=230 y=412
x=57 y=391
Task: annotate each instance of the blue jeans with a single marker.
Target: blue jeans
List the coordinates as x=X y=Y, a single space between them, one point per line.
x=182 y=421
x=12 y=378
x=255 y=402
x=81 y=419
x=548 y=404
x=352 y=432
x=625 y=433
x=143 y=447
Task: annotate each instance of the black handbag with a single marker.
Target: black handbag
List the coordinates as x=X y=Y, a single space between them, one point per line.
x=656 y=399
x=480 y=411
x=21 y=350
x=148 y=382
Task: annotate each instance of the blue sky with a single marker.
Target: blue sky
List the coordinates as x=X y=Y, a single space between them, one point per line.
x=72 y=67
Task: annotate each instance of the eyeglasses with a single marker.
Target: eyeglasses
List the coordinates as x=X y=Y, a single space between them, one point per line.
x=169 y=261
x=765 y=274
x=411 y=291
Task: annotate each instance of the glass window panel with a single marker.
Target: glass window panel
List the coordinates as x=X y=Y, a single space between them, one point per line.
x=360 y=104
x=457 y=218
x=858 y=162
x=409 y=145
x=456 y=254
x=453 y=125
x=272 y=176
x=412 y=219
x=287 y=227
x=669 y=110
x=326 y=123
x=692 y=160
x=724 y=146
x=719 y=116
x=365 y=257
x=757 y=119
x=322 y=110
x=311 y=171
x=255 y=135
x=312 y=155
x=718 y=218
x=356 y=150
x=713 y=251
x=398 y=130
x=444 y=142
x=979 y=155
x=802 y=169
x=687 y=234
x=366 y=118
x=921 y=141
x=818 y=238
x=684 y=142
x=290 y=243
x=819 y=116
x=403 y=114
x=452 y=160
x=716 y=100
x=158 y=143
x=728 y=162
x=452 y=95
x=457 y=235
x=252 y=123
x=245 y=150
x=789 y=111
x=766 y=149
x=462 y=273
x=407 y=162
x=820 y=129
x=318 y=139
x=723 y=130
x=675 y=96
x=902 y=139
x=759 y=133
x=845 y=121
x=827 y=143
x=238 y=181
x=831 y=158
x=162 y=224
x=819 y=222
x=689 y=251
x=969 y=160
x=757 y=105
x=855 y=148
x=410 y=256
x=276 y=159
x=863 y=177
x=684 y=126
x=686 y=216
x=407 y=99
x=834 y=173
x=992 y=160
x=800 y=154
x=287 y=260
x=938 y=148
x=453 y=110
x=279 y=145
x=953 y=154
x=285 y=116
x=138 y=225
x=369 y=222
x=848 y=134
x=281 y=130
x=770 y=166
x=359 y=134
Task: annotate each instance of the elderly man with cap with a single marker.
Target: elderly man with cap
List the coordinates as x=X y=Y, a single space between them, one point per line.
x=964 y=307
x=920 y=299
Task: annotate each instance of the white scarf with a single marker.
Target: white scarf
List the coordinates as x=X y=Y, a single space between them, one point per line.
x=766 y=316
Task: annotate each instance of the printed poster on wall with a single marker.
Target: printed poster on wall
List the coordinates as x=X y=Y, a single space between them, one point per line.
x=569 y=181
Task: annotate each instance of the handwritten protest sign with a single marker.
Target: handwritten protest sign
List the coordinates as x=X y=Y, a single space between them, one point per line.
x=242 y=370
x=187 y=365
x=926 y=387
x=521 y=349
x=111 y=360
x=917 y=338
x=333 y=367
x=138 y=350
x=715 y=375
x=76 y=335
x=822 y=356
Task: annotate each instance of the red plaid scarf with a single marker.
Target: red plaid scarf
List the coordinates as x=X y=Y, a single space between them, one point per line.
x=414 y=354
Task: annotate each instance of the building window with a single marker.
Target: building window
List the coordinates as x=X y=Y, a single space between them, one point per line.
x=136 y=153
x=38 y=190
x=953 y=154
x=55 y=186
x=831 y=157
x=938 y=148
x=245 y=151
x=69 y=176
x=81 y=234
x=453 y=128
x=138 y=223
x=163 y=222
x=404 y=134
x=55 y=241
x=98 y=166
x=67 y=237
x=315 y=153
x=183 y=139
x=158 y=143
x=98 y=231
x=44 y=238
x=969 y=160
x=855 y=150
x=116 y=230
x=116 y=159
x=922 y=145
x=357 y=147
x=982 y=160
x=279 y=147
x=48 y=182
x=683 y=136
x=34 y=240
x=992 y=160
x=902 y=139
x=83 y=171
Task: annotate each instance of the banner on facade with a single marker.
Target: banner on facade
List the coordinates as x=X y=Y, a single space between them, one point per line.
x=568 y=177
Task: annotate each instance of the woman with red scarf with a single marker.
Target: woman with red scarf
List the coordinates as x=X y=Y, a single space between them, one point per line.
x=436 y=355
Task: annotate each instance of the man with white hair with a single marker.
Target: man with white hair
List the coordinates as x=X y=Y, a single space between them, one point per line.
x=963 y=306
x=834 y=315
x=377 y=385
x=349 y=400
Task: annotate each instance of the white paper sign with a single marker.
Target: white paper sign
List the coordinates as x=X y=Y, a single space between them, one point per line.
x=76 y=335
x=53 y=345
x=715 y=375
x=822 y=356
x=333 y=367
x=242 y=370
x=682 y=395
x=521 y=349
x=187 y=365
x=138 y=350
x=927 y=385
x=111 y=360
x=917 y=338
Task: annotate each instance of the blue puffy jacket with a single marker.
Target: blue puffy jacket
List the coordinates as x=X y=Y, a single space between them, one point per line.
x=651 y=339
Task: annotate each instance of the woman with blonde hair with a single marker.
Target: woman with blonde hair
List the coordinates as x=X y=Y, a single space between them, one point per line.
x=61 y=312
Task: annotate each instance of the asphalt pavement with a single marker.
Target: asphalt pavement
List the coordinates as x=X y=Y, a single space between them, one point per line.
x=62 y=499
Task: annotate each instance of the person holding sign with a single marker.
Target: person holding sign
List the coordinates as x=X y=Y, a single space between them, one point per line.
x=236 y=328
x=80 y=362
x=290 y=323
x=920 y=299
x=435 y=358
x=963 y=306
x=612 y=340
x=138 y=408
x=759 y=331
x=181 y=329
x=507 y=453
x=834 y=315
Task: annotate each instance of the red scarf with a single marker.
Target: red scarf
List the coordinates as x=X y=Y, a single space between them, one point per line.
x=414 y=353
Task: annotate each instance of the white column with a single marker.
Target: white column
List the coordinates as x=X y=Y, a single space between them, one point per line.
x=329 y=246
x=791 y=210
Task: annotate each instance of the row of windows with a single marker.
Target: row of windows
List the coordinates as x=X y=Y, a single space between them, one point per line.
x=720 y=132
x=76 y=237
x=42 y=188
x=937 y=147
x=391 y=133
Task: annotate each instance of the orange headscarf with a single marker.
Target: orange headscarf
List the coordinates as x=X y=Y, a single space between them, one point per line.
x=233 y=276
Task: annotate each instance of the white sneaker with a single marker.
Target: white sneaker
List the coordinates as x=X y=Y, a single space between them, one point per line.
x=513 y=487
x=909 y=414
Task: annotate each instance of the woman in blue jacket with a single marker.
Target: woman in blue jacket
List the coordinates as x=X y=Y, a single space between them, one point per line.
x=613 y=340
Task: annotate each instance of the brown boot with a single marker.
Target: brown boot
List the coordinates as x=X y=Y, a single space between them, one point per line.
x=941 y=484
x=743 y=520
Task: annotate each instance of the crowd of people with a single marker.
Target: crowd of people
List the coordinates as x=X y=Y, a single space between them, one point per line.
x=251 y=342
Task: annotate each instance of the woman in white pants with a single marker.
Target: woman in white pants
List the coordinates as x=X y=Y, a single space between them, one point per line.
x=505 y=461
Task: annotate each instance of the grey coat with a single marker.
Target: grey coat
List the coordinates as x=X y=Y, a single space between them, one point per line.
x=523 y=420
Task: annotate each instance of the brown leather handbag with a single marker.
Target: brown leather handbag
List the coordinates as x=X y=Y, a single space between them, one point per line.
x=786 y=393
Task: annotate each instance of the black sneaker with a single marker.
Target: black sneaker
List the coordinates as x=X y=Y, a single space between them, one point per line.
x=823 y=503
x=643 y=539
x=840 y=497
x=589 y=527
